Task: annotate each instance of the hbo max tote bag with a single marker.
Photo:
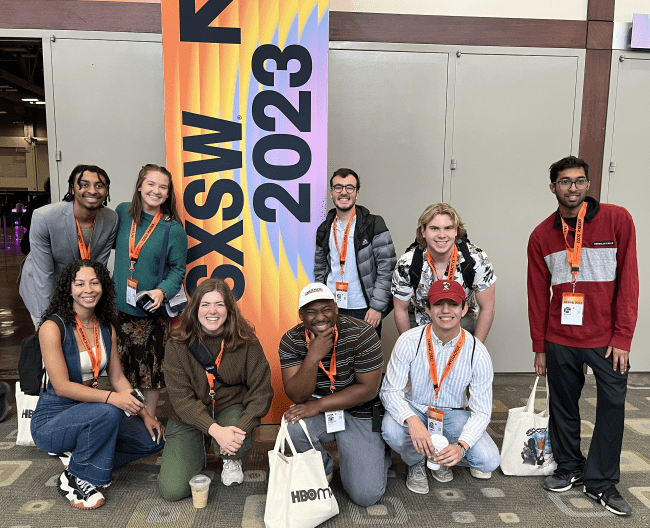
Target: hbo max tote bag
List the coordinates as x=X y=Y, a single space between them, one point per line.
x=526 y=447
x=299 y=495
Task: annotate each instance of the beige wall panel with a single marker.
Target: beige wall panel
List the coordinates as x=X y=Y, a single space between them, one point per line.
x=624 y=9
x=553 y=9
x=628 y=133
x=514 y=115
x=108 y=100
x=387 y=112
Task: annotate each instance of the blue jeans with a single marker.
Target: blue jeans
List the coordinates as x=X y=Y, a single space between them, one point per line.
x=483 y=455
x=363 y=457
x=99 y=435
x=360 y=313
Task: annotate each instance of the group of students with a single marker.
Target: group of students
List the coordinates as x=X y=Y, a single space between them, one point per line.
x=583 y=290
x=216 y=373
x=90 y=324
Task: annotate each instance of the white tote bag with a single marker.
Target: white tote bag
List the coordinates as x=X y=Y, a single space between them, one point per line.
x=298 y=495
x=25 y=406
x=526 y=449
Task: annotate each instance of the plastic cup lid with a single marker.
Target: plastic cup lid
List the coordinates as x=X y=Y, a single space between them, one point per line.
x=439 y=440
x=200 y=479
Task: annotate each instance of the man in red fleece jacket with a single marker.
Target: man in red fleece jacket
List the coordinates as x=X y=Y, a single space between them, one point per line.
x=585 y=253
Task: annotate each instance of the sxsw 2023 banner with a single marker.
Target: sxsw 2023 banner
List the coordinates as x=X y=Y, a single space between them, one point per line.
x=246 y=141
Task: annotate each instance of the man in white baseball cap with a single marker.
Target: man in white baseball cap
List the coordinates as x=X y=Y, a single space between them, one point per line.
x=331 y=369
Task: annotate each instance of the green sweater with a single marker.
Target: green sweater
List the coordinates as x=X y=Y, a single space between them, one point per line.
x=146 y=269
x=187 y=385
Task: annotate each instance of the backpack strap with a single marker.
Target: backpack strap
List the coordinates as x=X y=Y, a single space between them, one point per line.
x=467 y=270
x=201 y=353
x=61 y=324
x=471 y=364
x=417 y=350
x=415 y=270
x=163 y=255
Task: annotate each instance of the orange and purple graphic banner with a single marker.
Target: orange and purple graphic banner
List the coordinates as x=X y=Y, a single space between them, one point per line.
x=246 y=141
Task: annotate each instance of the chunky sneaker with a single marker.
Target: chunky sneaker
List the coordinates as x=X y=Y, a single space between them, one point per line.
x=611 y=499
x=416 y=480
x=477 y=474
x=563 y=479
x=232 y=473
x=81 y=494
x=443 y=474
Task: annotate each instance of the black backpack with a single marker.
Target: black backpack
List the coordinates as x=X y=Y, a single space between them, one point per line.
x=467 y=270
x=30 y=364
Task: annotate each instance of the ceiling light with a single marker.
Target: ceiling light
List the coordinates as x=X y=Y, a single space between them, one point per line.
x=29 y=100
x=40 y=102
x=3 y=111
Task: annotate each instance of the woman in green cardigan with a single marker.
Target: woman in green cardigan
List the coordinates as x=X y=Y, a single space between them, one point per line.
x=141 y=335
x=223 y=410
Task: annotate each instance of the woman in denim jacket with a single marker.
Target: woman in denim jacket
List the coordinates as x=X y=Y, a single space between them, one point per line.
x=72 y=414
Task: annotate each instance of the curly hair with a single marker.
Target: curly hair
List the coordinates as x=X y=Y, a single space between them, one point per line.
x=237 y=331
x=78 y=171
x=61 y=302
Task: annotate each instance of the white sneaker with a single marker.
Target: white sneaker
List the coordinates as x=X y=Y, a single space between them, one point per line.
x=232 y=473
x=479 y=474
x=443 y=474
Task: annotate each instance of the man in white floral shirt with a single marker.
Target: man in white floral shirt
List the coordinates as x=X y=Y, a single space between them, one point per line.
x=440 y=242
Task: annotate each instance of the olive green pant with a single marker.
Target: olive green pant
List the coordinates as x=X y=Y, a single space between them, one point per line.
x=185 y=453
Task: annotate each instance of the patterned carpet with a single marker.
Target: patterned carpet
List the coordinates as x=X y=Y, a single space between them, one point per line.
x=29 y=497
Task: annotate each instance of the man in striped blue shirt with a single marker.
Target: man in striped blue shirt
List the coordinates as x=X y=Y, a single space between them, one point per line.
x=443 y=352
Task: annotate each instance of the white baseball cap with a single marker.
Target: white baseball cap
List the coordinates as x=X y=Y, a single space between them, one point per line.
x=315 y=291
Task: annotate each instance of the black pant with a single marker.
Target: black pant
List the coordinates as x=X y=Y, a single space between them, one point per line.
x=566 y=378
x=359 y=313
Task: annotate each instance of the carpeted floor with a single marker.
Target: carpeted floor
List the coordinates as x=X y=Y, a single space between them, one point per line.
x=29 y=497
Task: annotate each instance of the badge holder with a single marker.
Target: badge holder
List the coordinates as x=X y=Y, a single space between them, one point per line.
x=335 y=421
x=342 y=295
x=131 y=291
x=435 y=421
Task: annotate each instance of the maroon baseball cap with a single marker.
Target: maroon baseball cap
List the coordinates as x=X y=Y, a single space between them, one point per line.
x=444 y=289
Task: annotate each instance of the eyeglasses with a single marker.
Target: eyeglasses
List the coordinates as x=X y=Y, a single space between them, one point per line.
x=565 y=184
x=348 y=188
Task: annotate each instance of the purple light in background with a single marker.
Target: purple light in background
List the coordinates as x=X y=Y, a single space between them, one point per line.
x=640 y=31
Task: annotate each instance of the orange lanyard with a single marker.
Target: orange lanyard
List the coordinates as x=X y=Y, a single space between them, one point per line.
x=343 y=252
x=332 y=372
x=452 y=264
x=96 y=357
x=217 y=363
x=432 y=359
x=134 y=251
x=83 y=250
x=574 y=254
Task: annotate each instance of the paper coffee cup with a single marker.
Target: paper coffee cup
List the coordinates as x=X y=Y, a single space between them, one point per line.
x=439 y=443
x=200 y=485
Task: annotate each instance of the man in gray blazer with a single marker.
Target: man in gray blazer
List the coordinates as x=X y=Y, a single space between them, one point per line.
x=61 y=232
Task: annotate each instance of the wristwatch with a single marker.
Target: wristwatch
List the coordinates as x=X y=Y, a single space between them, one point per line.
x=464 y=450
